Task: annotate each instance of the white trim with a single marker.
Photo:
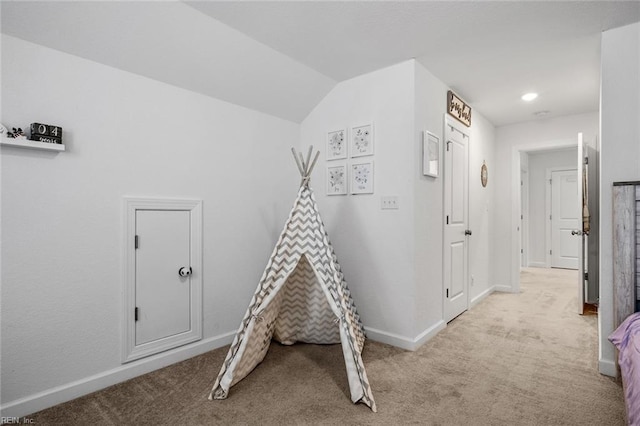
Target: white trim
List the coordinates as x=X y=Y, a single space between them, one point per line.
x=537 y=265
x=389 y=338
x=59 y=394
x=404 y=342
x=607 y=367
x=428 y=334
x=130 y=351
x=479 y=298
x=451 y=121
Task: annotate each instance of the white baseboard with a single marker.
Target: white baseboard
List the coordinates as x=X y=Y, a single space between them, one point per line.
x=607 y=367
x=503 y=288
x=537 y=265
x=403 y=341
x=50 y=397
x=429 y=333
x=481 y=296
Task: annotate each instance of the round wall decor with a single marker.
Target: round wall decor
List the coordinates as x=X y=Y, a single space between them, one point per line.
x=484 y=174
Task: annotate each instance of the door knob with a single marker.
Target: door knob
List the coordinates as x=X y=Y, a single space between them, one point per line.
x=576 y=232
x=467 y=232
x=185 y=271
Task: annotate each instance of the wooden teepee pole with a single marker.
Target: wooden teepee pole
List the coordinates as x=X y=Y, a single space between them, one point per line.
x=295 y=157
x=314 y=162
x=305 y=167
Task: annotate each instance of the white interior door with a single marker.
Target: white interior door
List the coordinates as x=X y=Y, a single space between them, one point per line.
x=163 y=297
x=565 y=219
x=591 y=230
x=162 y=288
x=456 y=200
x=579 y=233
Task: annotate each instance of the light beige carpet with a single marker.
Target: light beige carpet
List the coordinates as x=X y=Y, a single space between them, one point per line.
x=514 y=359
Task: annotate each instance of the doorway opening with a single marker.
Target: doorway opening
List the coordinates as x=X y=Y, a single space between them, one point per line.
x=533 y=169
x=547 y=199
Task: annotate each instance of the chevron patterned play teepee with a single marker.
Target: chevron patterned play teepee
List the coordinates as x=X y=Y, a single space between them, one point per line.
x=302 y=297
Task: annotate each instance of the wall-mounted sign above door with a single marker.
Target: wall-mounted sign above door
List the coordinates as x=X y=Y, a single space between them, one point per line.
x=458 y=109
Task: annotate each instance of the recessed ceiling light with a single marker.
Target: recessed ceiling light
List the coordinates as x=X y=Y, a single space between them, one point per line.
x=529 y=96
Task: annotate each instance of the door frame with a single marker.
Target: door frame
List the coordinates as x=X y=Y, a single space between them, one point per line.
x=524 y=218
x=131 y=351
x=548 y=211
x=516 y=202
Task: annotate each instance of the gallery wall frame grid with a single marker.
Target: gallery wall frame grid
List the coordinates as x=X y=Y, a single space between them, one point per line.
x=354 y=145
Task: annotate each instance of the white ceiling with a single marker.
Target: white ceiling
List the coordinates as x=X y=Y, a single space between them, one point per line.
x=283 y=57
x=173 y=43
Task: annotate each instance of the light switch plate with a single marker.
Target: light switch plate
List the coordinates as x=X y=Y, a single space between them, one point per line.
x=389 y=203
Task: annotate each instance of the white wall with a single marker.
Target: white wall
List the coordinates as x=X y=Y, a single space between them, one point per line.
x=428 y=196
x=619 y=155
x=374 y=247
x=393 y=258
x=510 y=140
x=481 y=207
x=540 y=163
x=62 y=213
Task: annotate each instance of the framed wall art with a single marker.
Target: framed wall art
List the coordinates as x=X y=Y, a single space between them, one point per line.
x=362 y=177
x=337 y=144
x=362 y=140
x=337 y=180
x=430 y=154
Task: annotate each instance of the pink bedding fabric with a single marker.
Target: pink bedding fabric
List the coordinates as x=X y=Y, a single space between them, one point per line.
x=627 y=339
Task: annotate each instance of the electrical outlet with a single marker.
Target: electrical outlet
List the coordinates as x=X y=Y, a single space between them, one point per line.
x=389 y=203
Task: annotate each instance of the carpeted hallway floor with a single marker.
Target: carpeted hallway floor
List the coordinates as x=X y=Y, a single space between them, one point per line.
x=514 y=359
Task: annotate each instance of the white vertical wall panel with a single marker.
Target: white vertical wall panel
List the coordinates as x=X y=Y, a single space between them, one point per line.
x=619 y=156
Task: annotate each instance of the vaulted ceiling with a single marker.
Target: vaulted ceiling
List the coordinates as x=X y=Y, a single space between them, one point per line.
x=283 y=57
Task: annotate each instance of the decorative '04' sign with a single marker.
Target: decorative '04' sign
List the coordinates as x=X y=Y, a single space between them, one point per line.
x=458 y=109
